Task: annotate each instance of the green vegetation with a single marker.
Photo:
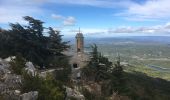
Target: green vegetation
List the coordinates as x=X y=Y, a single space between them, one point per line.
x=98 y=67
x=148 y=71
x=17 y=65
x=143 y=87
x=30 y=42
x=100 y=70
x=131 y=83
x=48 y=88
x=93 y=96
x=138 y=56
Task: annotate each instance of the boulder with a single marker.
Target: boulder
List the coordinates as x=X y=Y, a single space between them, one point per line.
x=10 y=95
x=30 y=68
x=4 y=68
x=13 y=81
x=9 y=58
x=44 y=73
x=33 y=95
x=72 y=93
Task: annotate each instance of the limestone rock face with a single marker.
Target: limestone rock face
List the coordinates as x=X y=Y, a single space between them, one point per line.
x=33 y=95
x=10 y=95
x=13 y=81
x=30 y=68
x=93 y=88
x=10 y=84
x=9 y=59
x=43 y=74
x=4 y=68
x=72 y=93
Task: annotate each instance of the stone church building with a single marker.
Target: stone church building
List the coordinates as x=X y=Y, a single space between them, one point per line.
x=79 y=58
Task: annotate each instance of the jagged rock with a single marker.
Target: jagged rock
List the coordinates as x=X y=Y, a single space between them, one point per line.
x=43 y=74
x=13 y=81
x=17 y=92
x=33 y=95
x=4 y=68
x=116 y=96
x=9 y=83
x=72 y=93
x=3 y=87
x=10 y=95
x=15 y=95
x=93 y=88
x=30 y=68
x=9 y=59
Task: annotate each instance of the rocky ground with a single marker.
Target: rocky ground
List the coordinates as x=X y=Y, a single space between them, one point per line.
x=10 y=84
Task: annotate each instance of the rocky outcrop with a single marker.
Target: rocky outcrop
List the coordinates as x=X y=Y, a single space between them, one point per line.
x=33 y=95
x=44 y=73
x=116 y=96
x=4 y=68
x=72 y=93
x=93 y=88
x=10 y=83
x=29 y=67
x=9 y=59
x=11 y=95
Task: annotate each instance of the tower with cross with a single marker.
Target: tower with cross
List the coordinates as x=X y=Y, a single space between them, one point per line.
x=79 y=42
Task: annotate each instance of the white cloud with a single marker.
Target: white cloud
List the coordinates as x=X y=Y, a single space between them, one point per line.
x=90 y=31
x=69 y=21
x=151 y=10
x=125 y=30
x=157 y=30
x=58 y=17
x=97 y=3
x=163 y=29
x=14 y=10
x=148 y=10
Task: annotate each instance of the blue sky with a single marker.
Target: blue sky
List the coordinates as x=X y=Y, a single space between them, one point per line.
x=95 y=17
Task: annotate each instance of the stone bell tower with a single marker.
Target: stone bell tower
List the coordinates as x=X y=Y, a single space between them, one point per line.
x=79 y=42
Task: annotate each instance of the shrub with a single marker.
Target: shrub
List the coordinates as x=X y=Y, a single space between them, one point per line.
x=48 y=89
x=17 y=65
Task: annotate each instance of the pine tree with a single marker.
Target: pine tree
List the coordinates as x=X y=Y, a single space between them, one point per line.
x=30 y=43
x=98 y=66
x=118 y=79
x=118 y=69
x=35 y=26
x=17 y=65
x=56 y=45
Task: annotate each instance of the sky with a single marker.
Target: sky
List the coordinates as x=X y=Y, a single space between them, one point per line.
x=96 y=18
